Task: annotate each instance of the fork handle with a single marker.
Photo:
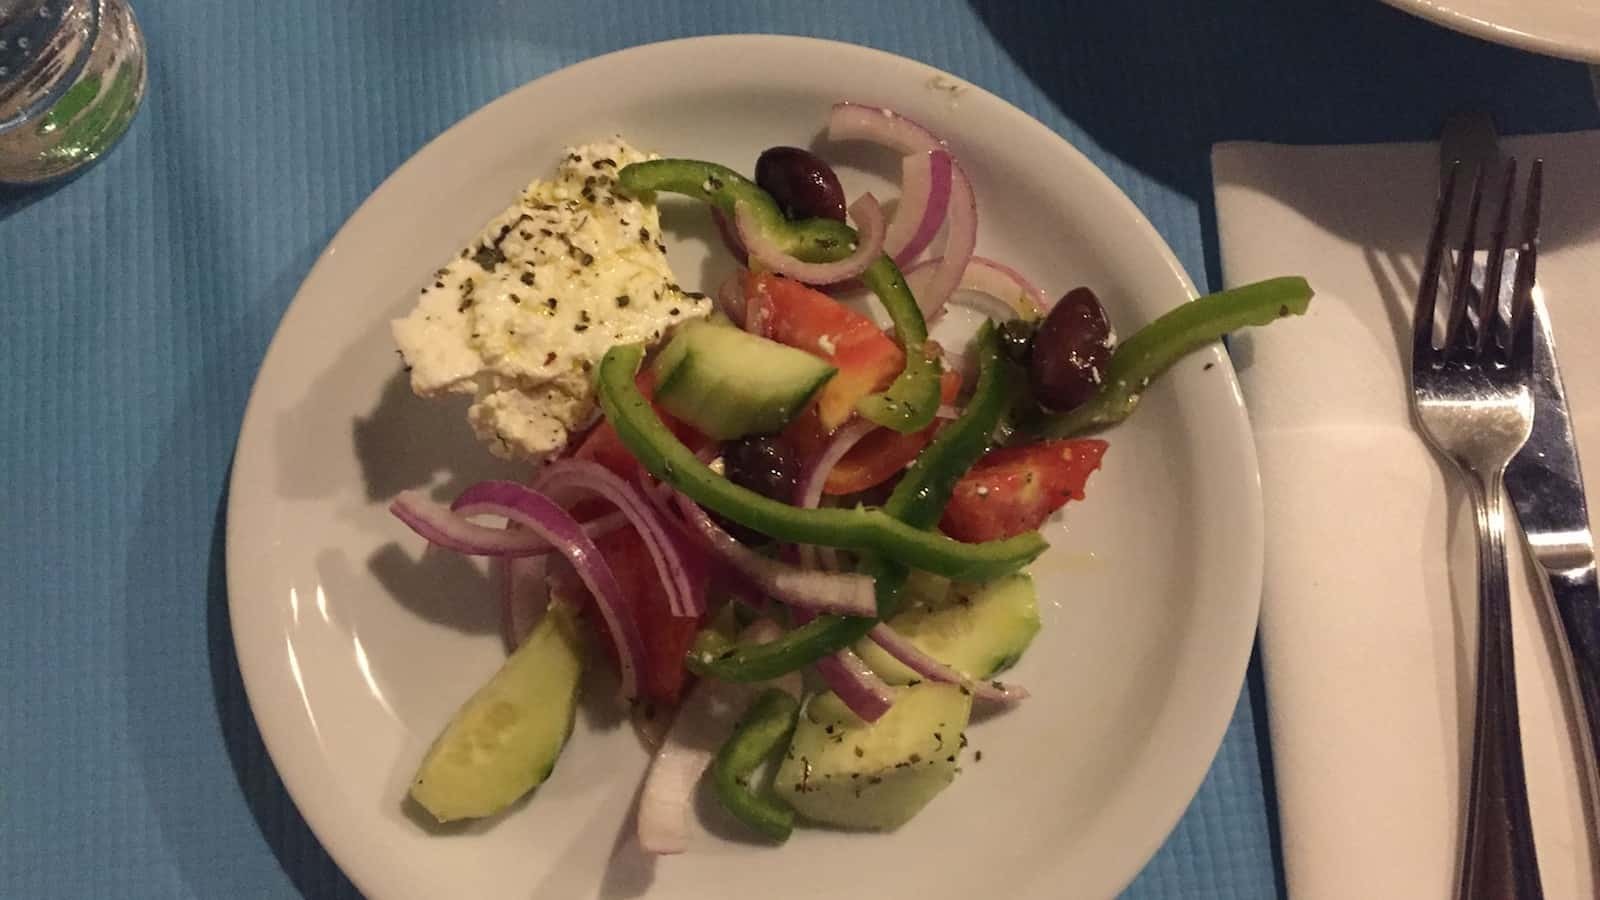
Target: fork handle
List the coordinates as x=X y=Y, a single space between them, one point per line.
x=1498 y=860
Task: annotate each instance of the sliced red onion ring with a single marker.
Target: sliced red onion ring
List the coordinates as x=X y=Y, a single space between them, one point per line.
x=650 y=723
x=444 y=527
x=924 y=202
x=854 y=121
x=960 y=240
x=842 y=593
x=849 y=676
x=1009 y=294
x=809 y=493
x=523 y=596
x=704 y=721
x=868 y=218
x=730 y=237
x=947 y=412
x=677 y=574
x=659 y=495
x=540 y=515
x=901 y=648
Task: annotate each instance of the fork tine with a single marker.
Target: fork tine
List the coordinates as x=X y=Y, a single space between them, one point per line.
x=1520 y=333
x=1489 y=297
x=1455 y=319
x=1428 y=286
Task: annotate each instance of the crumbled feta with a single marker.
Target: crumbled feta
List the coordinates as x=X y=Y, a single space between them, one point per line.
x=520 y=318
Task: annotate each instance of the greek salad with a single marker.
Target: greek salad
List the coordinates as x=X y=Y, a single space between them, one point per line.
x=799 y=539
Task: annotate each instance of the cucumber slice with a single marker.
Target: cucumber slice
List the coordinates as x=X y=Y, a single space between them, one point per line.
x=977 y=629
x=504 y=741
x=728 y=383
x=842 y=771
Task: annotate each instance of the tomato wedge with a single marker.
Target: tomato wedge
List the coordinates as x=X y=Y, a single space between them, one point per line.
x=666 y=636
x=1014 y=489
x=867 y=359
x=602 y=445
x=883 y=453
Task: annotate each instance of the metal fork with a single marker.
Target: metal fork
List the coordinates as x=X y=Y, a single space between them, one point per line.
x=1471 y=400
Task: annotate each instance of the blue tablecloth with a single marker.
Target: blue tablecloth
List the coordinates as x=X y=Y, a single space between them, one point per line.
x=138 y=299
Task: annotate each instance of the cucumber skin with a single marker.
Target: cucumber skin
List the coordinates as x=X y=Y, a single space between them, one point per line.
x=478 y=767
x=720 y=380
x=1009 y=603
x=845 y=773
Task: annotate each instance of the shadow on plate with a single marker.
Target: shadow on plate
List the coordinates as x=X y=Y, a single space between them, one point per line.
x=401 y=442
x=439 y=586
x=407 y=441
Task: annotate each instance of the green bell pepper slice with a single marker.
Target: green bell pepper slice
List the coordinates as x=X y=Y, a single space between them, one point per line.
x=765 y=727
x=810 y=240
x=1154 y=348
x=862 y=529
x=918 y=500
x=911 y=401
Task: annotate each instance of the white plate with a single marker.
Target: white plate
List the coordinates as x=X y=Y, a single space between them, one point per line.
x=356 y=646
x=1566 y=28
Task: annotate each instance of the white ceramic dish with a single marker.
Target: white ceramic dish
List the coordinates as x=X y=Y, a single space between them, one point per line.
x=356 y=646
x=1565 y=28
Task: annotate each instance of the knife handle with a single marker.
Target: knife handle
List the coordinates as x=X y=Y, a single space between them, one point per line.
x=1575 y=596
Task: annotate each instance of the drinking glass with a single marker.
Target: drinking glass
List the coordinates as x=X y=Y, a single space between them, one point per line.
x=71 y=77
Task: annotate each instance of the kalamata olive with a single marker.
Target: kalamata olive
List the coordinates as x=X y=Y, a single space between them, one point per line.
x=804 y=186
x=1016 y=339
x=1070 y=351
x=766 y=465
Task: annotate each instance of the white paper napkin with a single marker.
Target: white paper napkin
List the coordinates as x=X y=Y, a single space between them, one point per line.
x=1368 y=623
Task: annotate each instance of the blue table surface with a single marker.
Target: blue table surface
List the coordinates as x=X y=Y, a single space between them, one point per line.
x=138 y=300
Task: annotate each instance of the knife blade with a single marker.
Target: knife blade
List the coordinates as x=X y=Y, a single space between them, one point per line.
x=1545 y=483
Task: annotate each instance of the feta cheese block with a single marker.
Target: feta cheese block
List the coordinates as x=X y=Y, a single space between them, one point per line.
x=523 y=314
